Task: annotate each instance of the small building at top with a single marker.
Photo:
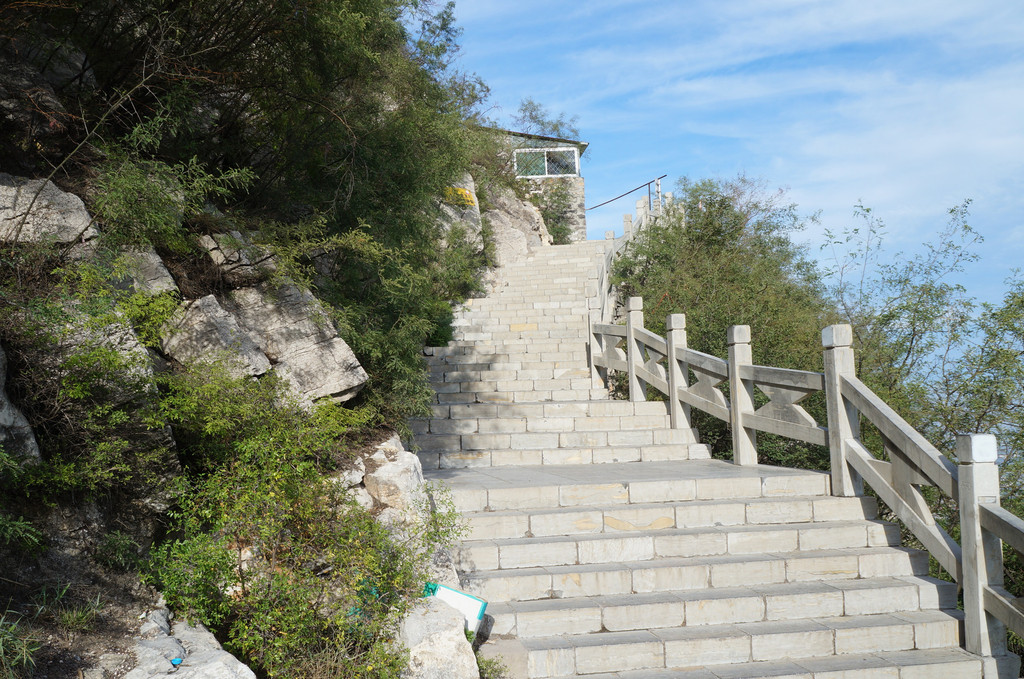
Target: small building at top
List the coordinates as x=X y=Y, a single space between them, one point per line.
x=551 y=165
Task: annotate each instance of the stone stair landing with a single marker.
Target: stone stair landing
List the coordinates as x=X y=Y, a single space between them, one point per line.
x=609 y=545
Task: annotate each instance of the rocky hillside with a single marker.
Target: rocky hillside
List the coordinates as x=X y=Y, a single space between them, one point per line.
x=214 y=297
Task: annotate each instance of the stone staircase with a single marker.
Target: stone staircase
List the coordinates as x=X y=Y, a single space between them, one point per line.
x=609 y=545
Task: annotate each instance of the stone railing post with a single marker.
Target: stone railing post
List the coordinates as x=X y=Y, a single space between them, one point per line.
x=598 y=375
x=741 y=396
x=657 y=198
x=627 y=226
x=984 y=635
x=675 y=337
x=843 y=419
x=642 y=211
x=634 y=354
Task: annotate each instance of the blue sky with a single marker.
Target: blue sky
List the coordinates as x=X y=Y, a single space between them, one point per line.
x=908 y=106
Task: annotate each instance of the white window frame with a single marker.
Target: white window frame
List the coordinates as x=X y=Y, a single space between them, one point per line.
x=546 y=150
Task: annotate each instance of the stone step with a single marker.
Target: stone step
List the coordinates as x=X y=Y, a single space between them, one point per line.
x=514 y=384
x=496 y=525
x=694 y=573
x=562 y=455
x=581 y=430
x=773 y=641
x=727 y=605
x=519 y=335
x=652 y=538
x=518 y=348
x=531 y=396
x=488 y=373
x=595 y=408
x=492 y=306
x=551 y=486
x=575 y=353
x=556 y=365
x=539 y=320
x=467 y=459
x=941 y=663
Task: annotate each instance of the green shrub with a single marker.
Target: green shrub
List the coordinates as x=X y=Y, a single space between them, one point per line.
x=555 y=203
x=118 y=551
x=297 y=578
x=20 y=534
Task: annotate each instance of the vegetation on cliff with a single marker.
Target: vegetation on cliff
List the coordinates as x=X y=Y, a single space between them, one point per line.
x=328 y=130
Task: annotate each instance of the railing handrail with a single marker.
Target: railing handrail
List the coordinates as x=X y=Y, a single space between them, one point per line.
x=665 y=364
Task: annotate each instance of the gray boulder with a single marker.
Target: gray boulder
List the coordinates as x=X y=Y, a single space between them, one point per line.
x=396 y=481
x=35 y=210
x=241 y=262
x=149 y=273
x=298 y=338
x=282 y=328
x=201 y=655
x=203 y=330
x=462 y=208
x=435 y=635
x=517 y=226
x=16 y=437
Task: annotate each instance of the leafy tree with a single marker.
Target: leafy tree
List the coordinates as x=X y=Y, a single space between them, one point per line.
x=721 y=254
x=533 y=118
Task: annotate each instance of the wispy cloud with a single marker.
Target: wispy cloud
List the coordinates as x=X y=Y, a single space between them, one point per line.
x=909 y=106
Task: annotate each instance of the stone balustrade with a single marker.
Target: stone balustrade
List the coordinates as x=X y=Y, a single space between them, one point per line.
x=690 y=379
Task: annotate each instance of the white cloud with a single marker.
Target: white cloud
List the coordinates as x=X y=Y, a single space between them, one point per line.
x=911 y=106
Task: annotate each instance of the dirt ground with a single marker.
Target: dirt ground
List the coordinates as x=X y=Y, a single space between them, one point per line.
x=81 y=615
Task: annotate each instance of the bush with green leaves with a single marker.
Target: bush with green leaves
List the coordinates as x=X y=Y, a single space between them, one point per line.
x=294 y=574
x=82 y=379
x=555 y=203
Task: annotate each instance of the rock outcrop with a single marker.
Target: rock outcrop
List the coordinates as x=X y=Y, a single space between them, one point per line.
x=390 y=483
x=241 y=262
x=197 y=651
x=435 y=635
x=149 y=274
x=35 y=210
x=204 y=330
x=300 y=341
x=16 y=437
x=461 y=207
x=516 y=226
x=258 y=329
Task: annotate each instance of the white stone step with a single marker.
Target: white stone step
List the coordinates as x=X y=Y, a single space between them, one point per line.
x=672 y=574
x=772 y=641
x=597 y=408
x=727 y=605
x=571 y=430
x=655 y=536
x=532 y=396
x=551 y=363
x=466 y=459
x=941 y=663
x=509 y=347
x=496 y=525
x=550 y=486
x=443 y=375
x=505 y=382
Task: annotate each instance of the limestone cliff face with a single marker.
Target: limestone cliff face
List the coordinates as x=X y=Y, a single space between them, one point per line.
x=16 y=437
x=258 y=327
x=516 y=226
